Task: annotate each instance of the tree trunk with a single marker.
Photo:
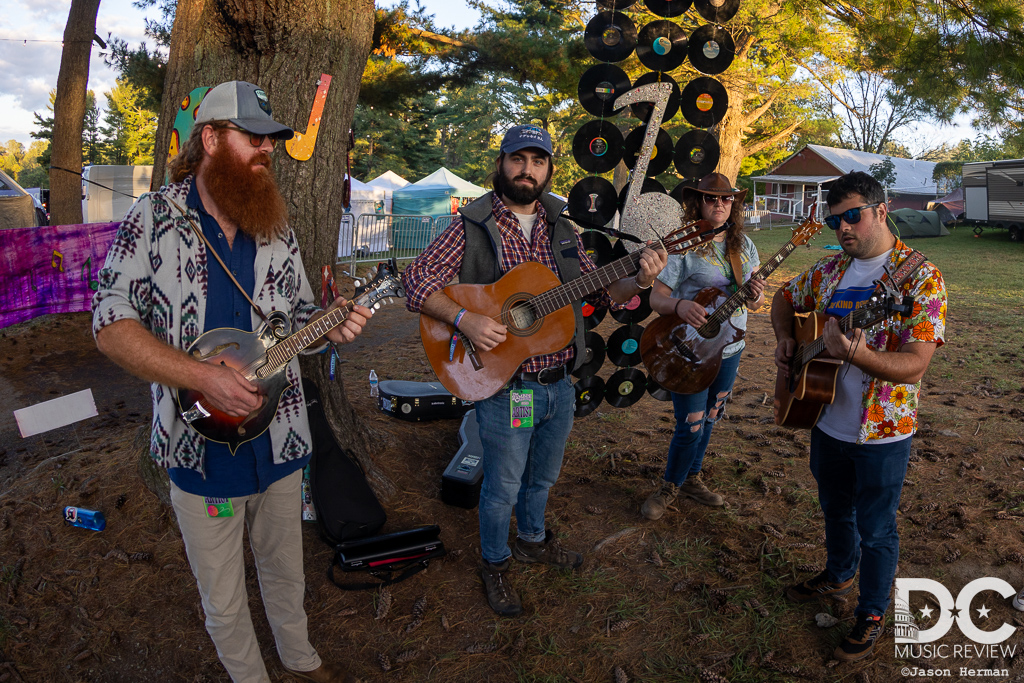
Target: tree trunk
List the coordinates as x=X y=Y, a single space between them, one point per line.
x=283 y=46
x=69 y=113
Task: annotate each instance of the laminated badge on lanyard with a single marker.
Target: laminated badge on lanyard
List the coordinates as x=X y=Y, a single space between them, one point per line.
x=328 y=293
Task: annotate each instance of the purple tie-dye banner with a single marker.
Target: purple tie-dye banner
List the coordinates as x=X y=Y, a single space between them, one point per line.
x=50 y=269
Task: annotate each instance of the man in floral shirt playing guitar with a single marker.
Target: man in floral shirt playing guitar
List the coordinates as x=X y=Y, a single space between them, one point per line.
x=860 y=445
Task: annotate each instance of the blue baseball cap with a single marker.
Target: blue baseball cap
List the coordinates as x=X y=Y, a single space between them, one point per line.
x=529 y=135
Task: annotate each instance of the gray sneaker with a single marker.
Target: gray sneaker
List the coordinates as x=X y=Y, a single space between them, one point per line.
x=694 y=488
x=656 y=504
x=501 y=596
x=548 y=551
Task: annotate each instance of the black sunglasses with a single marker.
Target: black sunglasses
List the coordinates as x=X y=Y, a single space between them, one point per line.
x=712 y=198
x=851 y=216
x=254 y=139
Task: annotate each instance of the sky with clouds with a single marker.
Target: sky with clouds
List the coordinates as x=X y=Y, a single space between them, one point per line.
x=30 y=51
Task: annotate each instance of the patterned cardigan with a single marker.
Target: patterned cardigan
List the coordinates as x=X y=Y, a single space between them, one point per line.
x=156 y=273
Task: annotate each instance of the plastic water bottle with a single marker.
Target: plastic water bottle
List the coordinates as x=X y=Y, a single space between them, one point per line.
x=87 y=519
x=373 y=384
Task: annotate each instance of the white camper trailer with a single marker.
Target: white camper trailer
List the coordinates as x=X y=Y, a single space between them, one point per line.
x=109 y=191
x=994 y=196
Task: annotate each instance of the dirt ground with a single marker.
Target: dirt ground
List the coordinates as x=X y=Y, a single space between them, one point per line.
x=692 y=596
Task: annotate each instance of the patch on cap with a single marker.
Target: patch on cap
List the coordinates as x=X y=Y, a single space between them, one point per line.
x=263 y=100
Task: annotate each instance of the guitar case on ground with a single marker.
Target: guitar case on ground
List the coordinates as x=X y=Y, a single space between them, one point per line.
x=346 y=506
x=460 y=483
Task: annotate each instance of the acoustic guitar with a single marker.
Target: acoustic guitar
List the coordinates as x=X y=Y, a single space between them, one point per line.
x=811 y=384
x=534 y=306
x=262 y=356
x=685 y=359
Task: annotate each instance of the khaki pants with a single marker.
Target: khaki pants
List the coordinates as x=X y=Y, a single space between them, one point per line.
x=214 y=547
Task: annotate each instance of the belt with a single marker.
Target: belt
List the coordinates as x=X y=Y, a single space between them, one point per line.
x=545 y=376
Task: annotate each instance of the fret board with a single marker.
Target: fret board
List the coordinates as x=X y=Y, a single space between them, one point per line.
x=574 y=290
x=283 y=352
x=725 y=311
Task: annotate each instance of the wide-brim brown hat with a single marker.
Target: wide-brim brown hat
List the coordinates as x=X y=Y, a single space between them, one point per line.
x=716 y=184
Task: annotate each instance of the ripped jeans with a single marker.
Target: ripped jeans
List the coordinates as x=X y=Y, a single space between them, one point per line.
x=696 y=415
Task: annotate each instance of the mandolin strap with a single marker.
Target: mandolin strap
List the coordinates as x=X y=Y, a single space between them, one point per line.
x=211 y=250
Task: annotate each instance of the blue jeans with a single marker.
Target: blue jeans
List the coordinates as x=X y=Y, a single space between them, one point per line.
x=690 y=440
x=520 y=464
x=859 y=490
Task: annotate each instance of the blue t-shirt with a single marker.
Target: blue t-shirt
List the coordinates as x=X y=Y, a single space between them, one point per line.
x=251 y=469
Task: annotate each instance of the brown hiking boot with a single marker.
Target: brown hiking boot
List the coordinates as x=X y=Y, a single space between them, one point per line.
x=548 y=551
x=501 y=596
x=818 y=587
x=656 y=504
x=860 y=642
x=694 y=488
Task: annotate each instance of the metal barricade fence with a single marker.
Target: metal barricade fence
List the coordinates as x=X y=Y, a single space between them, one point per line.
x=373 y=237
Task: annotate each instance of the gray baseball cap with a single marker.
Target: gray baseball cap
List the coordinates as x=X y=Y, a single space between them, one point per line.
x=521 y=137
x=243 y=104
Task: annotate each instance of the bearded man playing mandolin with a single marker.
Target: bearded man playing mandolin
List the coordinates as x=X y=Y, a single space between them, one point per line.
x=860 y=445
x=518 y=223
x=160 y=289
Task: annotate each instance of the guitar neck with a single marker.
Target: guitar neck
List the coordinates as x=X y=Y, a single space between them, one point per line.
x=814 y=348
x=742 y=293
x=574 y=290
x=282 y=352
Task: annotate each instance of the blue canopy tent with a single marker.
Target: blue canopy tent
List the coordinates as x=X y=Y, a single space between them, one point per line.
x=431 y=196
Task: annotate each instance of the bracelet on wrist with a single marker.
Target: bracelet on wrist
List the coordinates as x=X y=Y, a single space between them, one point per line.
x=458 y=317
x=675 y=309
x=636 y=281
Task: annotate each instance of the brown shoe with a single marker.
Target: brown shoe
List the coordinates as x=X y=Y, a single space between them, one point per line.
x=656 y=504
x=548 y=551
x=501 y=596
x=818 y=587
x=694 y=488
x=325 y=673
x=860 y=642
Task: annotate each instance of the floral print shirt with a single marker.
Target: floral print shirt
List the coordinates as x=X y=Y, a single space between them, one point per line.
x=889 y=409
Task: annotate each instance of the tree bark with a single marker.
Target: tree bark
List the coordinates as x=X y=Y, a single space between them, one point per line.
x=69 y=113
x=283 y=46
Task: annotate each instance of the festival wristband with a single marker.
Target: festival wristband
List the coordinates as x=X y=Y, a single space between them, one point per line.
x=458 y=317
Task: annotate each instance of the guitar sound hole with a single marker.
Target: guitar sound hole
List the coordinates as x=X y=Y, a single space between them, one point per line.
x=520 y=318
x=710 y=330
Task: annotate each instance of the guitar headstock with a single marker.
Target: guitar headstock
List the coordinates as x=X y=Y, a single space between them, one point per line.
x=691 y=235
x=879 y=307
x=382 y=284
x=809 y=228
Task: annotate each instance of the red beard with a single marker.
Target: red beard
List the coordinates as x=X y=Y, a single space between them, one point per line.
x=247 y=196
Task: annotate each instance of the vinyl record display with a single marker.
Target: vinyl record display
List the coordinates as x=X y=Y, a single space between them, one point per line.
x=704 y=102
x=597 y=146
x=658 y=392
x=661 y=45
x=642 y=110
x=615 y=4
x=650 y=185
x=589 y=394
x=711 y=49
x=599 y=86
x=717 y=11
x=677 y=191
x=625 y=387
x=697 y=154
x=661 y=156
x=597 y=246
x=610 y=36
x=594 y=358
x=593 y=200
x=637 y=309
x=666 y=8
x=592 y=316
x=624 y=345
x=619 y=248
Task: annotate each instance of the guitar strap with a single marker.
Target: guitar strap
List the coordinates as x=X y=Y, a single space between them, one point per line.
x=211 y=250
x=737 y=267
x=905 y=270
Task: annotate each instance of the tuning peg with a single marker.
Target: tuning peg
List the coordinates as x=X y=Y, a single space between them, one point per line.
x=376 y=306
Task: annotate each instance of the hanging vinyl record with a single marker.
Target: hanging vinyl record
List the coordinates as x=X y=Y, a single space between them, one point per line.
x=661 y=155
x=599 y=86
x=637 y=309
x=589 y=394
x=704 y=102
x=650 y=185
x=595 y=355
x=593 y=200
x=610 y=36
x=711 y=49
x=661 y=45
x=642 y=110
x=625 y=387
x=658 y=392
x=717 y=11
x=597 y=146
x=667 y=8
x=597 y=245
x=592 y=316
x=677 y=191
x=624 y=345
x=615 y=4
x=697 y=154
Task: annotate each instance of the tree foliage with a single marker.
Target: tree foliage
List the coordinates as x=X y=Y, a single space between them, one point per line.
x=884 y=171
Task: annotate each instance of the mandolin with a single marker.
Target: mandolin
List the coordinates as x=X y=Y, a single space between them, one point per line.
x=262 y=357
x=811 y=384
x=534 y=306
x=685 y=359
